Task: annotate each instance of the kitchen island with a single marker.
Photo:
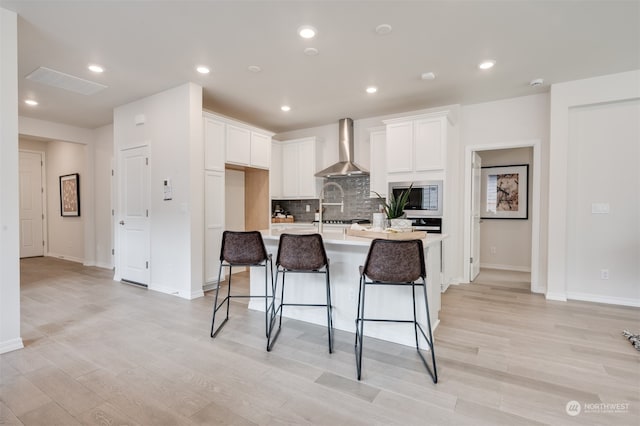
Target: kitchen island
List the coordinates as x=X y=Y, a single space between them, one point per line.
x=346 y=253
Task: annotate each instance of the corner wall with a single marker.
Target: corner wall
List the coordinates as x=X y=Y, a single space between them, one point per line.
x=173 y=130
x=564 y=231
x=9 y=213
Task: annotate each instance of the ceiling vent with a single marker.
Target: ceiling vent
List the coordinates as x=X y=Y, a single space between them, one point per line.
x=65 y=81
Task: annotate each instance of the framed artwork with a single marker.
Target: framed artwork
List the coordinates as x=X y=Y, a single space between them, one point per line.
x=70 y=195
x=504 y=192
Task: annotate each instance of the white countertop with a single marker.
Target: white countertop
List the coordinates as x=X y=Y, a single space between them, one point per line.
x=337 y=236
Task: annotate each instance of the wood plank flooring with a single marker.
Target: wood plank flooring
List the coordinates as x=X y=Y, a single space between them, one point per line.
x=105 y=353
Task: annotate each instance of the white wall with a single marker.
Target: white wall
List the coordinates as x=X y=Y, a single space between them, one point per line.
x=103 y=221
x=173 y=130
x=566 y=97
x=604 y=141
x=9 y=213
x=502 y=124
x=65 y=234
x=510 y=239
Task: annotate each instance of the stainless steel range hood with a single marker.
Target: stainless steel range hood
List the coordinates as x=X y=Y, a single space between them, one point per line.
x=345 y=165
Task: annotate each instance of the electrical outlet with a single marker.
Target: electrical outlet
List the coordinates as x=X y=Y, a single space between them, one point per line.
x=493 y=250
x=604 y=274
x=308 y=208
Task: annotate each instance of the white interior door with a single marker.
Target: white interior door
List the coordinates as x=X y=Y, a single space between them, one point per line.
x=31 y=211
x=476 y=173
x=134 y=246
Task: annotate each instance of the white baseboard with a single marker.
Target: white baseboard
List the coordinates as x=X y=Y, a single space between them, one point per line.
x=611 y=300
x=560 y=297
x=65 y=257
x=209 y=286
x=195 y=294
x=11 y=345
x=506 y=267
x=104 y=265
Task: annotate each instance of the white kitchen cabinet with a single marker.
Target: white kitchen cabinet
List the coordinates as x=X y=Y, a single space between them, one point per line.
x=214 y=223
x=300 y=159
x=378 y=168
x=238 y=145
x=416 y=144
x=214 y=140
x=260 y=151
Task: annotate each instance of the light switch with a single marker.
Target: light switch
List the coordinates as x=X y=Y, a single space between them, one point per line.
x=600 y=208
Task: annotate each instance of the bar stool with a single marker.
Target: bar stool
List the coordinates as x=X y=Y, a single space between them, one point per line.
x=396 y=263
x=243 y=249
x=300 y=253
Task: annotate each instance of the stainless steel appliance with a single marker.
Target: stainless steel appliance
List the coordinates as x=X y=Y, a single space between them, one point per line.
x=346 y=165
x=424 y=208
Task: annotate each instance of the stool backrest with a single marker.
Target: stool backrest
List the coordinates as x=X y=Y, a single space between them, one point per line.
x=301 y=252
x=243 y=248
x=396 y=261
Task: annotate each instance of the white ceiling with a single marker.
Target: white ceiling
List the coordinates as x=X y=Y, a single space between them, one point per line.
x=150 y=46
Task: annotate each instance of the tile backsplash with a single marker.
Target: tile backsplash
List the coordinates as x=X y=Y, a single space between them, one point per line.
x=357 y=204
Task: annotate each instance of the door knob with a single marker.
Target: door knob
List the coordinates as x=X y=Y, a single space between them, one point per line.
x=122 y=222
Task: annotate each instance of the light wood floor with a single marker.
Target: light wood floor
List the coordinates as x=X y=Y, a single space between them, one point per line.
x=101 y=352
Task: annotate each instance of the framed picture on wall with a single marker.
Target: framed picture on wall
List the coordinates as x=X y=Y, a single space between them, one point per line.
x=504 y=192
x=70 y=195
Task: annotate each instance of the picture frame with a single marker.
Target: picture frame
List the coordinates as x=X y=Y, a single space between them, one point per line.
x=505 y=192
x=70 y=195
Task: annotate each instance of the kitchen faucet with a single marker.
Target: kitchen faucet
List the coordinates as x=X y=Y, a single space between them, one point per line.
x=321 y=203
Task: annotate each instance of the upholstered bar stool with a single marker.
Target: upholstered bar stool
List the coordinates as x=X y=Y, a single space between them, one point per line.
x=300 y=253
x=243 y=249
x=395 y=263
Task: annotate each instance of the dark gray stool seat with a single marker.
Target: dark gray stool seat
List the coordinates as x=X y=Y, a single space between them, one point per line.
x=300 y=253
x=396 y=263
x=243 y=249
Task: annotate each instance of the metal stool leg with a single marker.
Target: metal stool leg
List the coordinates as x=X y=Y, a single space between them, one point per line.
x=434 y=375
x=215 y=302
x=329 y=312
x=360 y=327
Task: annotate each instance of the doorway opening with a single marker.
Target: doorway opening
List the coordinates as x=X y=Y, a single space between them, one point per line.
x=487 y=247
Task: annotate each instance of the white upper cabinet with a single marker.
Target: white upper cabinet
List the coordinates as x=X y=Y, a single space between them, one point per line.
x=235 y=143
x=260 y=151
x=238 y=145
x=417 y=144
x=214 y=139
x=300 y=159
x=378 y=169
x=400 y=147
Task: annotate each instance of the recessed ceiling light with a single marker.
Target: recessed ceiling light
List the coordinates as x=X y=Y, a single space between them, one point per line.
x=203 y=70
x=31 y=102
x=285 y=108
x=307 y=31
x=485 y=65
x=254 y=68
x=311 y=51
x=372 y=89
x=95 y=68
x=428 y=76
x=383 y=29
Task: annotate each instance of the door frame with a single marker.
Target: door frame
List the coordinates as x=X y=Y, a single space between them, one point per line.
x=536 y=212
x=43 y=179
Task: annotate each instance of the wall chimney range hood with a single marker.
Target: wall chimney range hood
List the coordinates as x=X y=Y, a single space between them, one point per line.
x=345 y=165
